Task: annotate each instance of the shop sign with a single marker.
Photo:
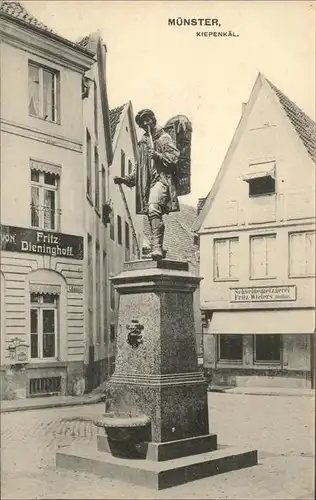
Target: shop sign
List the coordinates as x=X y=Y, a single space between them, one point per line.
x=262 y=293
x=23 y=240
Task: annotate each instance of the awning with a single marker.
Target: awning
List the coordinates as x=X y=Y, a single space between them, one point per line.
x=269 y=322
x=43 y=288
x=45 y=167
x=259 y=171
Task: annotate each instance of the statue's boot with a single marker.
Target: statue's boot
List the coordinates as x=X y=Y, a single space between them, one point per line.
x=157 y=234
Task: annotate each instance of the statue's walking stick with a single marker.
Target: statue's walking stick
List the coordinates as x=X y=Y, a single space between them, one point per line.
x=138 y=253
x=151 y=142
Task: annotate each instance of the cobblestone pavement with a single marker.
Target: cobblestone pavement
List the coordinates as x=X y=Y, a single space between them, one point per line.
x=281 y=428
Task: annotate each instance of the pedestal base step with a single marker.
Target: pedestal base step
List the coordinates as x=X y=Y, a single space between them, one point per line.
x=170 y=449
x=154 y=474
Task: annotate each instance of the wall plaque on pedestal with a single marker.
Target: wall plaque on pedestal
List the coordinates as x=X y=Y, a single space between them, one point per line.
x=134 y=337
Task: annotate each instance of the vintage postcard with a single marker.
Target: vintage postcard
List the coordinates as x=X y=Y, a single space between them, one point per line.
x=157 y=256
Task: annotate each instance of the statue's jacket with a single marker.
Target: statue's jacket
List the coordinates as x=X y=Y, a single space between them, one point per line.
x=147 y=172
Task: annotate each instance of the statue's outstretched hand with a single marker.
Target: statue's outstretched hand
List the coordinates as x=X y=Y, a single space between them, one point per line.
x=153 y=154
x=118 y=180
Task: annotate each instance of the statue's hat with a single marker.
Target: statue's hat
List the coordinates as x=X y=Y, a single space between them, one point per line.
x=142 y=113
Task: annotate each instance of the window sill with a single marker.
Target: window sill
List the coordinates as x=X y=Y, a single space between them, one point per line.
x=301 y=276
x=264 y=278
x=89 y=199
x=230 y=361
x=46 y=121
x=46 y=364
x=267 y=363
x=229 y=364
x=225 y=280
x=260 y=195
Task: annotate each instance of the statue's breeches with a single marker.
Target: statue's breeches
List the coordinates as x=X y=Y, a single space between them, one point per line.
x=158 y=199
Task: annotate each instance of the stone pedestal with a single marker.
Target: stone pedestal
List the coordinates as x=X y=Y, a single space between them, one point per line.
x=159 y=376
x=156 y=375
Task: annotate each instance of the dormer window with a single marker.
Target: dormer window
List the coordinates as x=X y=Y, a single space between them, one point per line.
x=260 y=178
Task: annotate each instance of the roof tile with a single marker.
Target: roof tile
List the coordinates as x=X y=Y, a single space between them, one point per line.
x=303 y=124
x=115 y=116
x=16 y=9
x=83 y=42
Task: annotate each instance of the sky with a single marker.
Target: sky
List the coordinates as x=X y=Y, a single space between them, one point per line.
x=169 y=69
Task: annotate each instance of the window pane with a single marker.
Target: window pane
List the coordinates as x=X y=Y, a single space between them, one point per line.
x=34 y=91
x=263 y=185
x=127 y=242
x=126 y=235
x=112 y=232
x=48 y=95
x=35 y=297
x=96 y=180
x=310 y=253
x=258 y=258
x=48 y=321
x=35 y=175
x=233 y=259
x=230 y=347
x=49 y=209
x=34 y=346
x=297 y=254
x=49 y=299
x=119 y=230
x=49 y=179
x=268 y=347
x=90 y=272
x=95 y=98
x=221 y=259
x=88 y=161
x=122 y=163
x=48 y=345
x=34 y=321
x=103 y=185
x=271 y=269
x=35 y=206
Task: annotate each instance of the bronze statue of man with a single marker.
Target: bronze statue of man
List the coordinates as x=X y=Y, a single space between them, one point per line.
x=155 y=177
